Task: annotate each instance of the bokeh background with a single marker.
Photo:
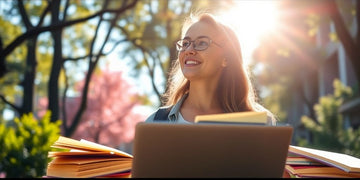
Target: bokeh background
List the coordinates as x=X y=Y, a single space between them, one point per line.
x=92 y=69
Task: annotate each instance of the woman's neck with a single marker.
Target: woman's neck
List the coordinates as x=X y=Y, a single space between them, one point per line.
x=201 y=100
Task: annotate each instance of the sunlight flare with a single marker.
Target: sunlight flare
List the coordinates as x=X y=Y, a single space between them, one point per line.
x=252 y=20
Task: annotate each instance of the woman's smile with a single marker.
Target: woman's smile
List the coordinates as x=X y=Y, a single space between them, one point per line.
x=191 y=62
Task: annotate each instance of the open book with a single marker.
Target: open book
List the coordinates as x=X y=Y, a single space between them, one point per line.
x=82 y=159
x=332 y=164
x=248 y=117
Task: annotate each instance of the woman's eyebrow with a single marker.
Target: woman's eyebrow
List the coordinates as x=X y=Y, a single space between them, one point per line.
x=202 y=36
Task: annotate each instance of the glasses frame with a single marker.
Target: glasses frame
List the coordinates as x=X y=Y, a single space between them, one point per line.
x=178 y=46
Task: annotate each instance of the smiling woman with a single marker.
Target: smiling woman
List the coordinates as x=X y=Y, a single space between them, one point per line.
x=251 y=19
x=209 y=76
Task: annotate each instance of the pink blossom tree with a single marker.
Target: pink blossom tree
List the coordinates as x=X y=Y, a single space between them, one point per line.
x=109 y=118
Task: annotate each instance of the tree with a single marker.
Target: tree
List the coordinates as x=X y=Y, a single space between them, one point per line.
x=286 y=58
x=68 y=35
x=109 y=118
x=350 y=43
x=290 y=56
x=60 y=19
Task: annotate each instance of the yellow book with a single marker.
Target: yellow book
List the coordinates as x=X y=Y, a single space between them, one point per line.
x=248 y=117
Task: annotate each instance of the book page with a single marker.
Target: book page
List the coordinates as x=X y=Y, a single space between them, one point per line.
x=84 y=154
x=346 y=162
x=87 y=166
x=86 y=160
x=105 y=147
x=84 y=145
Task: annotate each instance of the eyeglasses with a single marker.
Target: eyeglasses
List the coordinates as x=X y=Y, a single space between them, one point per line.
x=199 y=44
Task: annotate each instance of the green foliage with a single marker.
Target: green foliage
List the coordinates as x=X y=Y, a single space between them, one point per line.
x=328 y=132
x=24 y=146
x=14 y=62
x=277 y=101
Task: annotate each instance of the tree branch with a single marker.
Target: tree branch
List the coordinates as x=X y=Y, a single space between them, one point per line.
x=23 y=14
x=42 y=16
x=9 y=103
x=36 y=31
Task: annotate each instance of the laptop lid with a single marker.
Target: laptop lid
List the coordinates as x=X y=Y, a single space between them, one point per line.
x=209 y=150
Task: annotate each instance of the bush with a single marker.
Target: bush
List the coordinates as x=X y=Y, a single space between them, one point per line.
x=328 y=132
x=25 y=145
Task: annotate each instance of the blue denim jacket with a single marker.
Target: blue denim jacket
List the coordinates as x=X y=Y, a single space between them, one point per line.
x=174 y=113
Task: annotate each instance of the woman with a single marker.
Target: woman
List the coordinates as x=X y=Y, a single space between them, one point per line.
x=209 y=76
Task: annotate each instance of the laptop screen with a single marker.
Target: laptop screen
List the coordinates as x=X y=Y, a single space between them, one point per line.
x=209 y=150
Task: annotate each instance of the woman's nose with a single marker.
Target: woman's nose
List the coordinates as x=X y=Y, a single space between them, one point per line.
x=190 y=49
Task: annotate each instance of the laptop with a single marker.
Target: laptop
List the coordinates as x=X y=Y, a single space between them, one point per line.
x=164 y=150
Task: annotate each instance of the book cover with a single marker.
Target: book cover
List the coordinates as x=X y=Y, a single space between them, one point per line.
x=248 y=117
x=292 y=160
x=344 y=162
x=84 y=159
x=315 y=169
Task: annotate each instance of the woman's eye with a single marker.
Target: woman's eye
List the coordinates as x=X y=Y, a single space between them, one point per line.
x=202 y=43
x=185 y=44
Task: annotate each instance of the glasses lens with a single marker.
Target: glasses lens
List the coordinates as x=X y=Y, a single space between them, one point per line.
x=182 y=44
x=202 y=43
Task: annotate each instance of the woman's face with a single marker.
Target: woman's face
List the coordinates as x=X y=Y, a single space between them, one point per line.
x=203 y=65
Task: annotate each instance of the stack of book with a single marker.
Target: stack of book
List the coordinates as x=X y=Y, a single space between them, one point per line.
x=84 y=159
x=314 y=163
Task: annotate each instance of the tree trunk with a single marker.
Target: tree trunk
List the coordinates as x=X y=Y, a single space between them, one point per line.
x=30 y=70
x=351 y=46
x=29 y=77
x=53 y=86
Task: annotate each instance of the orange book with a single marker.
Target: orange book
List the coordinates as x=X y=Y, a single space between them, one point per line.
x=318 y=171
